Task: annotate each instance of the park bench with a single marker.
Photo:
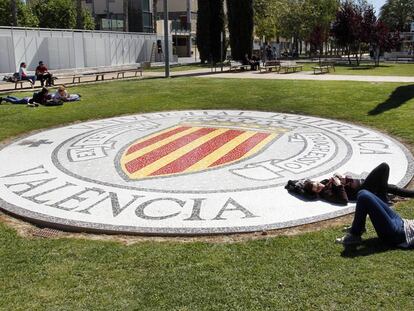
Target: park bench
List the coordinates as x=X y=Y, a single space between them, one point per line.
x=291 y=66
x=14 y=79
x=330 y=65
x=237 y=65
x=22 y=82
x=320 y=69
x=135 y=71
x=100 y=74
x=269 y=65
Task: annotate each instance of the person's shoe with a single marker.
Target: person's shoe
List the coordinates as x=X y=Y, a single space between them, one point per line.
x=31 y=105
x=349 y=239
x=347 y=229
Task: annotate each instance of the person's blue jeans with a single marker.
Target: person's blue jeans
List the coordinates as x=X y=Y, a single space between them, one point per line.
x=16 y=100
x=387 y=223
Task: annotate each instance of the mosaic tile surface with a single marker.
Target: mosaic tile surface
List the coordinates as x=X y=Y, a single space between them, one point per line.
x=187 y=172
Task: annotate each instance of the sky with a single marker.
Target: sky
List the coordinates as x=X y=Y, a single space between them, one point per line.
x=377 y=4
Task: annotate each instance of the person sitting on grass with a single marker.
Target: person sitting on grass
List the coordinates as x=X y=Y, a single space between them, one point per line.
x=23 y=74
x=342 y=189
x=389 y=226
x=61 y=95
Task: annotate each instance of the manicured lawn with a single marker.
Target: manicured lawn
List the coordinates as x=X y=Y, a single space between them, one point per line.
x=303 y=272
x=384 y=69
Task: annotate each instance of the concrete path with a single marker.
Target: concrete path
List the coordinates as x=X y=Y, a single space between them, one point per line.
x=206 y=73
x=308 y=75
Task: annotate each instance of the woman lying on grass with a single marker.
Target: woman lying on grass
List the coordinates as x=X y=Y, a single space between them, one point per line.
x=341 y=189
x=390 y=227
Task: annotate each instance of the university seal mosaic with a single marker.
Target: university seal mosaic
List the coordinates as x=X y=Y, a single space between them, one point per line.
x=187 y=172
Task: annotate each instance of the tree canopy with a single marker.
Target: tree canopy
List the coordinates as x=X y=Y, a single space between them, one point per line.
x=46 y=14
x=398 y=14
x=240 y=22
x=25 y=17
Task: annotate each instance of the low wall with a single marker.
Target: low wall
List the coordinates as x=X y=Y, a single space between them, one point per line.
x=65 y=49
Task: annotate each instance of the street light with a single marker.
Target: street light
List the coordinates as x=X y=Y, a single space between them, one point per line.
x=166 y=43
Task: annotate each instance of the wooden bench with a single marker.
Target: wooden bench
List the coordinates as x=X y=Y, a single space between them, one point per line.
x=320 y=69
x=101 y=75
x=135 y=71
x=270 y=65
x=330 y=65
x=21 y=82
x=237 y=65
x=76 y=77
x=292 y=66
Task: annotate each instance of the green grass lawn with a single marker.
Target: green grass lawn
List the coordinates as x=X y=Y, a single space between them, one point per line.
x=303 y=272
x=384 y=69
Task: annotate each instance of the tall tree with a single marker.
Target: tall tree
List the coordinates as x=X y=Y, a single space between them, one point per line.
x=79 y=14
x=216 y=29
x=24 y=16
x=203 y=31
x=210 y=26
x=14 y=12
x=60 y=14
x=398 y=14
x=240 y=23
x=346 y=28
x=267 y=18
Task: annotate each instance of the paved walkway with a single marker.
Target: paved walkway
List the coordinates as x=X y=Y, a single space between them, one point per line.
x=308 y=75
x=206 y=73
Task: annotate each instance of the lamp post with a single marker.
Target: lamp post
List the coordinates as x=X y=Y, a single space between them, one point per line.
x=166 y=43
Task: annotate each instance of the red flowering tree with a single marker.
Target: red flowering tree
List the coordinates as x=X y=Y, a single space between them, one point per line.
x=346 y=29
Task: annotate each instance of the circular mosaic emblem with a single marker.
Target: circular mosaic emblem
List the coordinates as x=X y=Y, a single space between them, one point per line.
x=187 y=172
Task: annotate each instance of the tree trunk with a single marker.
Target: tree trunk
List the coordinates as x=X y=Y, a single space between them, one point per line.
x=377 y=56
x=79 y=17
x=14 y=12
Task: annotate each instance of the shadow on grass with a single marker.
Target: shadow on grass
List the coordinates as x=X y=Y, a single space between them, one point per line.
x=398 y=97
x=368 y=247
x=363 y=67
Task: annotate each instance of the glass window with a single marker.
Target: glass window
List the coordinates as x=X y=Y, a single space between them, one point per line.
x=146 y=5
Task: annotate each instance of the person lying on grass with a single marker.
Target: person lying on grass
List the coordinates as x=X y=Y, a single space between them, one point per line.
x=342 y=189
x=62 y=95
x=42 y=98
x=390 y=227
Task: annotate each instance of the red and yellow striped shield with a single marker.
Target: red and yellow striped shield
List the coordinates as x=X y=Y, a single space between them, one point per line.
x=192 y=148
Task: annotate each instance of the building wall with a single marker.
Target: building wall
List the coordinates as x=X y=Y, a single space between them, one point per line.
x=139 y=14
x=177 y=5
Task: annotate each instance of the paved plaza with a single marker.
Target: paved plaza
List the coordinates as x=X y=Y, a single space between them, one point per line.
x=188 y=172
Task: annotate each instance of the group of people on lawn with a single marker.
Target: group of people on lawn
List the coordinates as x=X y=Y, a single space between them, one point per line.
x=43 y=97
x=372 y=196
